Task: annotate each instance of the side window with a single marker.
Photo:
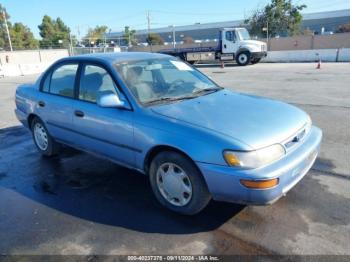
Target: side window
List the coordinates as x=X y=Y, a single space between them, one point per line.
x=93 y=80
x=230 y=36
x=63 y=79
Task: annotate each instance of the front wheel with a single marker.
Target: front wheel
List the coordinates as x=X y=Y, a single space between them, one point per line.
x=46 y=145
x=243 y=58
x=177 y=183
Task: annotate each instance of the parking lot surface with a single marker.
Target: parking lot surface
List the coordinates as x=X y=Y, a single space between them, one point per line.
x=79 y=204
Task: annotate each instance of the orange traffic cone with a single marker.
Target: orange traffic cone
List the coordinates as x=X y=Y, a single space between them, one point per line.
x=319 y=64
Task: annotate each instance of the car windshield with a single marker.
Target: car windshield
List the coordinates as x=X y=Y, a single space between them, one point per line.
x=244 y=34
x=164 y=80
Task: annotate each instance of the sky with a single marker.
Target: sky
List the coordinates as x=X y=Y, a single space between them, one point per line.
x=79 y=15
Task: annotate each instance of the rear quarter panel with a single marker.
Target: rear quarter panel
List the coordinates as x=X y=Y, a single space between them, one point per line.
x=26 y=99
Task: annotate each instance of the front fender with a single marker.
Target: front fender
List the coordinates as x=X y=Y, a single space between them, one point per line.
x=200 y=144
x=249 y=48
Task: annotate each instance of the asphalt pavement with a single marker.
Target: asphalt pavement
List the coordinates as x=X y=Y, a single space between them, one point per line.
x=79 y=204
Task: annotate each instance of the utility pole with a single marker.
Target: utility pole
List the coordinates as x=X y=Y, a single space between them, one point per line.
x=174 y=36
x=71 y=44
x=267 y=33
x=78 y=39
x=7 y=30
x=149 y=29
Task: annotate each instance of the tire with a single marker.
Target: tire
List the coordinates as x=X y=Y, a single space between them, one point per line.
x=186 y=175
x=256 y=60
x=243 y=58
x=46 y=145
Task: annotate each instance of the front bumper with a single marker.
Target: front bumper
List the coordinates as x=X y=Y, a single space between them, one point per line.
x=224 y=181
x=258 y=55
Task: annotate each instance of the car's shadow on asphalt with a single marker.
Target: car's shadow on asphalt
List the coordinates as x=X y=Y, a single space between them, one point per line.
x=96 y=190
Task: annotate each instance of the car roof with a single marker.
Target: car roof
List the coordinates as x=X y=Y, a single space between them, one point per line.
x=116 y=57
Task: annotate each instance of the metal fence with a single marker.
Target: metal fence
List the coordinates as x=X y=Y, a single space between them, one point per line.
x=335 y=41
x=91 y=50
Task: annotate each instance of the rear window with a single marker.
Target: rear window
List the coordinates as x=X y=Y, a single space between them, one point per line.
x=62 y=81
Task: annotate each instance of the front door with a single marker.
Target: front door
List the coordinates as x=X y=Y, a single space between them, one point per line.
x=229 y=42
x=106 y=131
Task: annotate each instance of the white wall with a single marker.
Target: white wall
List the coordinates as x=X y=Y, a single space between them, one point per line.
x=326 y=55
x=28 y=62
x=344 y=55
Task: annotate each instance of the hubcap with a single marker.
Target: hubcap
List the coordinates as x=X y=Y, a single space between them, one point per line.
x=243 y=58
x=174 y=184
x=40 y=136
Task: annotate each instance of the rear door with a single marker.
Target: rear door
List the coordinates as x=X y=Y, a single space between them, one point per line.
x=107 y=131
x=56 y=100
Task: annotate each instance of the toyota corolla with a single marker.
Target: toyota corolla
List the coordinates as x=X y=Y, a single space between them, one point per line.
x=195 y=140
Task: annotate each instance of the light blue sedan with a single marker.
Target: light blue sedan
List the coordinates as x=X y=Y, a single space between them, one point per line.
x=154 y=113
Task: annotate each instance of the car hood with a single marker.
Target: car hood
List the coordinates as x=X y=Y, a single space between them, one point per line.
x=251 y=42
x=256 y=121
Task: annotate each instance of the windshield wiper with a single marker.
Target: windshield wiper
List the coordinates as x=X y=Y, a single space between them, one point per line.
x=179 y=98
x=167 y=99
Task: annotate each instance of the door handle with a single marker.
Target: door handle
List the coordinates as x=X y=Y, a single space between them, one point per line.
x=79 y=113
x=225 y=46
x=41 y=103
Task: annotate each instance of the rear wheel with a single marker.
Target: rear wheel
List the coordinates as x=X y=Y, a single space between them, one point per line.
x=177 y=183
x=243 y=58
x=46 y=145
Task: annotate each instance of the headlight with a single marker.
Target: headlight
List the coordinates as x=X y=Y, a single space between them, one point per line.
x=254 y=159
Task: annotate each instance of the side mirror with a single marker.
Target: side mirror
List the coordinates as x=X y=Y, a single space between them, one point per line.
x=110 y=99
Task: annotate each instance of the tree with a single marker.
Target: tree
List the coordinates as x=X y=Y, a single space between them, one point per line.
x=188 y=40
x=281 y=17
x=96 y=35
x=3 y=35
x=343 y=28
x=154 y=39
x=129 y=36
x=54 y=33
x=22 y=37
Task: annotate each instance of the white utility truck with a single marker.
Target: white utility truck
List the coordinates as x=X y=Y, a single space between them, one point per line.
x=234 y=44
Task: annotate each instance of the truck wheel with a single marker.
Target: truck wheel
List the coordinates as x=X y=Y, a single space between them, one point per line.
x=243 y=58
x=46 y=145
x=256 y=60
x=177 y=183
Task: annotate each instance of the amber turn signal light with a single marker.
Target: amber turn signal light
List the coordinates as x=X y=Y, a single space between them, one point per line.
x=260 y=184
